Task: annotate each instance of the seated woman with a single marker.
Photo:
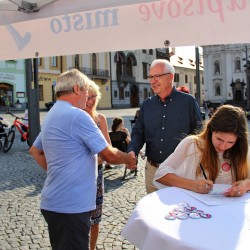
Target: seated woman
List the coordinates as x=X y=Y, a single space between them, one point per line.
x=120 y=136
x=219 y=155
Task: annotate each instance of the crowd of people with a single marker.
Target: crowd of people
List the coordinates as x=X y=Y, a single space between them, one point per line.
x=75 y=143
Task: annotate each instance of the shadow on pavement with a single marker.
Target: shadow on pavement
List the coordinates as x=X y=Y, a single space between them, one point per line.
x=21 y=172
x=113 y=178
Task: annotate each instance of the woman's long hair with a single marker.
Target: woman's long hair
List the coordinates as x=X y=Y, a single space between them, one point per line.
x=227 y=119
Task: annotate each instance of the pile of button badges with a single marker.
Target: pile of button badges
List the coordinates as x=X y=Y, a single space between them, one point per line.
x=183 y=211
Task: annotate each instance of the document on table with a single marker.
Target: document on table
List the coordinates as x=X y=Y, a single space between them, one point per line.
x=216 y=197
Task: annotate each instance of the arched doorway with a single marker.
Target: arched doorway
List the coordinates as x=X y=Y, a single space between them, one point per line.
x=238 y=92
x=6 y=91
x=238 y=96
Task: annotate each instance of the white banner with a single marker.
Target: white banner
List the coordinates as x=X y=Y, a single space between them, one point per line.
x=144 y=25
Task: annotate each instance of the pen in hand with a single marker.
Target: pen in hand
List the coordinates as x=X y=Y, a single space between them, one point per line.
x=203 y=171
x=208 y=186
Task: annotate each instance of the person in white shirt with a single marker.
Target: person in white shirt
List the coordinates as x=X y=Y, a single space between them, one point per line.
x=219 y=154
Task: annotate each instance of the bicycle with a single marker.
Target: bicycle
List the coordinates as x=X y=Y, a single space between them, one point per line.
x=7 y=136
x=22 y=128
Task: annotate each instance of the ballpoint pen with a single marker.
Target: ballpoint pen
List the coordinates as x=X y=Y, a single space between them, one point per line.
x=203 y=171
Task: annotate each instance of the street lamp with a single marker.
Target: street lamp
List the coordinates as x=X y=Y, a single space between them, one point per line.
x=167 y=43
x=247 y=65
x=198 y=88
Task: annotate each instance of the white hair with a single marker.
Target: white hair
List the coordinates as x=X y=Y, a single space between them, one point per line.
x=168 y=66
x=68 y=79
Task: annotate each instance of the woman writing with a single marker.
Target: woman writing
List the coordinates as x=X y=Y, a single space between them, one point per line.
x=218 y=155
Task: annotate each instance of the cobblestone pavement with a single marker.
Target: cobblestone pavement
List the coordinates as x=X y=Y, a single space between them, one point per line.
x=21 y=223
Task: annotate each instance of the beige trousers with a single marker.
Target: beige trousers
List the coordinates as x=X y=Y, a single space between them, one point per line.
x=149 y=176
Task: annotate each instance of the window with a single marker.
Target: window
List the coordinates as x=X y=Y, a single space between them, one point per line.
x=115 y=93
x=126 y=93
x=145 y=70
x=77 y=61
x=150 y=52
x=121 y=93
x=94 y=64
x=119 y=68
x=186 y=78
x=217 y=90
x=41 y=93
x=176 y=78
x=216 y=67
x=237 y=64
x=129 y=66
x=39 y=61
x=194 y=79
x=54 y=61
x=144 y=51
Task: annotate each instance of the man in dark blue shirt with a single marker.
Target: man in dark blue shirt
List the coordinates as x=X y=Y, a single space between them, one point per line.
x=164 y=120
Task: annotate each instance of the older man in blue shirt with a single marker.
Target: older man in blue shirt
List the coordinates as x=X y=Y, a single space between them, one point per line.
x=164 y=120
x=67 y=149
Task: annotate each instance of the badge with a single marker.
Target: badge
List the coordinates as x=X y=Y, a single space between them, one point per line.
x=194 y=215
x=206 y=216
x=182 y=216
x=170 y=217
x=225 y=167
x=179 y=209
x=191 y=209
x=184 y=211
x=199 y=211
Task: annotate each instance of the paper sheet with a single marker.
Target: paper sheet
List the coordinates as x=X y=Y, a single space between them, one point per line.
x=216 y=197
x=219 y=189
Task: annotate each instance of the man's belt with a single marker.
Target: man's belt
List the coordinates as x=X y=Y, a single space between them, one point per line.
x=154 y=164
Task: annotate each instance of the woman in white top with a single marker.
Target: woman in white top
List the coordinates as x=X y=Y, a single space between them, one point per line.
x=219 y=154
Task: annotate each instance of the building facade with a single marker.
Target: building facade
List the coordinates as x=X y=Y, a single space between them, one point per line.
x=97 y=67
x=121 y=75
x=225 y=74
x=12 y=83
x=186 y=74
x=49 y=69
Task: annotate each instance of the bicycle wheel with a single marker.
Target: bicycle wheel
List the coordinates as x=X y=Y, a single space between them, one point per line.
x=8 y=141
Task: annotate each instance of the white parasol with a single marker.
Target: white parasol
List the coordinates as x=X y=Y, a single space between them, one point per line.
x=60 y=27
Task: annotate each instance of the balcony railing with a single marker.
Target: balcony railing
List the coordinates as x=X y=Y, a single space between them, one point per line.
x=94 y=73
x=127 y=78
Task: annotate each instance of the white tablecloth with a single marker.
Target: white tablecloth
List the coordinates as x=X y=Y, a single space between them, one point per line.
x=147 y=228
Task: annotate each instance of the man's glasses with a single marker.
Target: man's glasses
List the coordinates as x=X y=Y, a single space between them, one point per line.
x=157 y=77
x=92 y=97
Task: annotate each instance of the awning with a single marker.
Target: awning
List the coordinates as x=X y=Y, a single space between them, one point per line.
x=66 y=27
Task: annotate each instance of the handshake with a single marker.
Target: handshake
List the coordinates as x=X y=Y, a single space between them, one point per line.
x=133 y=164
x=114 y=156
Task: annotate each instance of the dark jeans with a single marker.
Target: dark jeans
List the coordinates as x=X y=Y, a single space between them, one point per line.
x=68 y=231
